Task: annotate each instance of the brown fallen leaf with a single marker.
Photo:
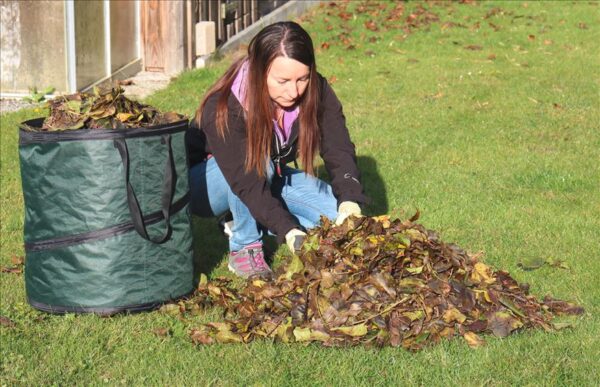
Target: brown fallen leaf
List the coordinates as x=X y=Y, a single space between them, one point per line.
x=473 y=340
x=371 y=25
x=17 y=260
x=201 y=337
x=345 y=15
x=6 y=322
x=11 y=270
x=162 y=332
x=473 y=47
x=18 y=263
x=494 y=26
x=531 y=264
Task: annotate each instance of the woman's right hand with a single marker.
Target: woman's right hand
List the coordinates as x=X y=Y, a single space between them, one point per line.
x=345 y=210
x=294 y=239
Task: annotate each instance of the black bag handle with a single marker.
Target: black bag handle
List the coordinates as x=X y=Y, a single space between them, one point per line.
x=169 y=181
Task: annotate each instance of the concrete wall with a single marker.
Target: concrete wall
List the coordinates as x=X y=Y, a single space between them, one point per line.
x=32 y=43
x=89 y=42
x=34 y=37
x=123 y=29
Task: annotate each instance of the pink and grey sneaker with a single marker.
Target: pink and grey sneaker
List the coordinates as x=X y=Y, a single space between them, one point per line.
x=249 y=261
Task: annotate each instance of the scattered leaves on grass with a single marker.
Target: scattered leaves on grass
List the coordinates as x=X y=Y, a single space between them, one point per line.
x=102 y=109
x=162 y=332
x=345 y=15
x=473 y=340
x=374 y=281
x=536 y=263
x=6 y=322
x=379 y=17
x=371 y=25
x=495 y=27
x=493 y=12
x=16 y=267
x=448 y=25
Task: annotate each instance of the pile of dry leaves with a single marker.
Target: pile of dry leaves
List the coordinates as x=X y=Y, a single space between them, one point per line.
x=102 y=109
x=378 y=282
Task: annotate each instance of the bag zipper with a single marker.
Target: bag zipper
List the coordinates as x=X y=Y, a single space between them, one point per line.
x=122 y=228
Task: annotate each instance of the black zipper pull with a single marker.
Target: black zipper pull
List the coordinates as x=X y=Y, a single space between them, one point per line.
x=278 y=158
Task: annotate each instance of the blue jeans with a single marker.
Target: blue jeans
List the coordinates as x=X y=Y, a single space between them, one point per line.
x=305 y=197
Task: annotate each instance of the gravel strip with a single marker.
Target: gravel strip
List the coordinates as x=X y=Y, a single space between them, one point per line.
x=8 y=105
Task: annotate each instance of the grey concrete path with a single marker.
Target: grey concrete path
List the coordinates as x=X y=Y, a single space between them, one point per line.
x=145 y=83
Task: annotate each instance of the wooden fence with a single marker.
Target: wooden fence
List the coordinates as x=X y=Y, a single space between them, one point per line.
x=231 y=16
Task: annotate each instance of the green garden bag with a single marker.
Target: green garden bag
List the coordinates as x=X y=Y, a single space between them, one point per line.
x=107 y=225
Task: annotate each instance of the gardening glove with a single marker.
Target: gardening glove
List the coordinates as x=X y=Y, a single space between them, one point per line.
x=294 y=239
x=345 y=210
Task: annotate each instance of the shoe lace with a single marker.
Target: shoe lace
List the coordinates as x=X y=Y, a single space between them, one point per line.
x=257 y=260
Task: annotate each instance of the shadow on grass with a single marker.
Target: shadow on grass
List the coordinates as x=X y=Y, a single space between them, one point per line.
x=374 y=186
x=210 y=245
x=372 y=183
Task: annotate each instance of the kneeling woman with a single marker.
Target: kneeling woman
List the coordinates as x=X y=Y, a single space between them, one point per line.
x=268 y=109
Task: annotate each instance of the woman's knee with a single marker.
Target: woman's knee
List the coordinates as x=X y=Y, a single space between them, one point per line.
x=208 y=189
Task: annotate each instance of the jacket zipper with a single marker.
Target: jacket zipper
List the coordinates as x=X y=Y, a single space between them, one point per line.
x=279 y=156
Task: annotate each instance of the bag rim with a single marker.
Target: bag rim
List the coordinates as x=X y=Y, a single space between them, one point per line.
x=27 y=137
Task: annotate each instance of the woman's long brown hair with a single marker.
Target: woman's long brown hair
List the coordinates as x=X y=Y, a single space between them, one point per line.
x=279 y=39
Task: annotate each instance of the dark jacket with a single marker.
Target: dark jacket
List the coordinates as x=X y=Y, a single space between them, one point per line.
x=336 y=149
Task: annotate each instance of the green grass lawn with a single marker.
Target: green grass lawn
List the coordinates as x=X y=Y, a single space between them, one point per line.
x=487 y=121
